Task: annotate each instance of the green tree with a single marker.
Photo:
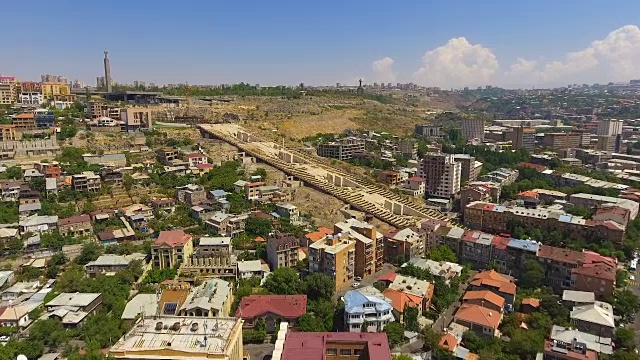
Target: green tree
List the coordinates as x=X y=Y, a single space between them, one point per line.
x=49 y=332
x=410 y=318
x=533 y=275
x=90 y=252
x=442 y=253
x=13 y=172
x=309 y=323
x=284 y=281
x=257 y=226
x=402 y=357
x=395 y=334
x=260 y=172
x=127 y=182
x=319 y=286
x=38 y=183
x=625 y=303
x=625 y=338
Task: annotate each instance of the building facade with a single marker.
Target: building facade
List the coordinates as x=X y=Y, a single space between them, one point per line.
x=442 y=174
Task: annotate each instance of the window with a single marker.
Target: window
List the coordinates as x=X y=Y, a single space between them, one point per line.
x=332 y=351
x=357 y=352
x=345 y=352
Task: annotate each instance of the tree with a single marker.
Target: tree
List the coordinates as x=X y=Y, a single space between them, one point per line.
x=625 y=338
x=395 y=334
x=319 y=286
x=13 y=172
x=257 y=226
x=90 y=252
x=260 y=172
x=309 y=323
x=533 y=275
x=430 y=337
x=410 y=317
x=625 y=303
x=401 y=357
x=49 y=332
x=442 y=253
x=284 y=281
x=127 y=182
x=38 y=183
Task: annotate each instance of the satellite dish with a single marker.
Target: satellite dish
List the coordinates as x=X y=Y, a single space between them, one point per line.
x=21 y=357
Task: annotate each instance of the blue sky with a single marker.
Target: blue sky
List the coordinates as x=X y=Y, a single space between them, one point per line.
x=288 y=42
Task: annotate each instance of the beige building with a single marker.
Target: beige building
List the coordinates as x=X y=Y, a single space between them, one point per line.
x=369 y=254
x=334 y=257
x=172 y=248
x=75 y=226
x=111 y=263
x=282 y=251
x=9 y=132
x=181 y=337
x=136 y=118
x=86 y=181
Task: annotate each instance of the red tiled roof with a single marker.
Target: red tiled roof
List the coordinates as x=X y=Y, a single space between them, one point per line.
x=531 y=302
x=173 y=238
x=164 y=201
x=533 y=166
x=484 y=295
x=529 y=193
x=389 y=172
x=287 y=306
x=416 y=179
x=478 y=315
x=597 y=270
x=400 y=300
x=204 y=166
x=75 y=220
x=449 y=342
x=560 y=254
x=313 y=345
x=494 y=279
x=319 y=234
x=259 y=183
x=194 y=155
x=388 y=277
x=25 y=116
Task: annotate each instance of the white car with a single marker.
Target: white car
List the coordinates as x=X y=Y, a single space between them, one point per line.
x=632 y=278
x=355 y=285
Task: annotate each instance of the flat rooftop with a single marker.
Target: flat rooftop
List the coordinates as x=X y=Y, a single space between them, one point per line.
x=178 y=334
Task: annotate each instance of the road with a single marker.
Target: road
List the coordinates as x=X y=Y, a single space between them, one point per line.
x=369 y=280
x=443 y=321
x=259 y=351
x=634 y=286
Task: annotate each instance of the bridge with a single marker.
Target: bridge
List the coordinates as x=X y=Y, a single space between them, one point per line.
x=372 y=198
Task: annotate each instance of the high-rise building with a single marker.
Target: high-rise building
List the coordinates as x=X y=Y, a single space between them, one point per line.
x=53 y=78
x=8 y=90
x=610 y=127
x=107 y=71
x=523 y=137
x=473 y=129
x=408 y=148
x=442 y=174
x=369 y=245
x=469 y=167
x=562 y=140
x=334 y=257
x=282 y=251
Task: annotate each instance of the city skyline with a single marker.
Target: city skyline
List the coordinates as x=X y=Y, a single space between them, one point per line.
x=447 y=45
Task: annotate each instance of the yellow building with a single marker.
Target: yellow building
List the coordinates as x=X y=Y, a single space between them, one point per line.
x=178 y=337
x=9 y=88
x=51 y=89
x=171 y=249
x=334 y=257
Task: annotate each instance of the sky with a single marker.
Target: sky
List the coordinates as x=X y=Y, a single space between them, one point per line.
x=449 y=44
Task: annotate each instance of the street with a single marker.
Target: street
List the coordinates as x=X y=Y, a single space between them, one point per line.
x=369 y=280
x=259 y=351
x=443 y=321
x=634 y=286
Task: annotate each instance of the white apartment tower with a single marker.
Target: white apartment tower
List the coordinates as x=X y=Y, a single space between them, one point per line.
x=472 y=129
x=442 y=174
x=610 y=127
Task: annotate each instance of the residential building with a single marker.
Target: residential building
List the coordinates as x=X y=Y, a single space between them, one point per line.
x=495 y=219
x=195 y=159
x=167 y=156
x=334 y=257
x=8 y=90
x=171 y=248
x=361 y=308
x=415 y=186
x=111 y=263
x=73 y=308
x=49 y=169
x=476 y=248
x=429 y=131
x=138 y=216
x=166 y=205
x=250 y=268
x=443 y=269
x=389 y=177
x=591 y=201
x=563 y=337
x=52 y=89
x=613 y=213
x=24 y=121
x=469 y=168
x=191 y=194
x=335 y=346
x=402 y=245
x=141 y=305
x=442 y=174
x=320 y=234
x=522 y=138
x=484 y=298
x=149 y=339
x=9 y=133
x=213 y=298
x=15 y=316
x=289 y=211
x=408 y=148
x=224 y=224
x=341 y=150
x=529 y=305
x=86 y=181
x=573 y=298
x=411 y=290
x=595 y=318
x=501 y=176
x=497 y=283
x=369 y=245
x=282 y=251
x=481 y=320
x=210 y=264
x=562 y=140
x=485 y=192
x=136 y=119
x=38 y=224
x=473 y=129
x=273 y=309
x=610 y=127
x=97 y=109
x=79 y=225
x=573 y=350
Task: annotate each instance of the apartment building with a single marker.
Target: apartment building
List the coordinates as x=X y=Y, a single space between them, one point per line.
x=389 y=177
x=567 y=343
x=408 y=148
x=86 y=181
x=472 y=129
x=79 y=225
x=501 y=176
x=441 y=173
x=167 y=156
x=191 y=194
x=469 y=168
x=342 y=150
x=273 y=309
x=562 y=140
x=402 y=245
x=24 y=121
x=31 y=93
x=111 y=263
x=414 y=186
x=497 y=283
x=225 y=224
x=361 y=307
x=49 y=169
x=9 y=133
x=97 y=109
x=592 y=201
x=369 y=246
x=408 y=291
x=485 y=192
x=335 y=346
x=282 y=251
x=289 y=211
x=496 y=219
x=610 y=127
x=53 y=89
x=8 y=93
x=522 y=138
x=595 y=318
x=171 y=248
x=334 y=257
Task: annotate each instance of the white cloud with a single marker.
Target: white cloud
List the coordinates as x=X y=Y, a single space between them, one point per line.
x=458 y=63
x=522 y=66
x=383 y=70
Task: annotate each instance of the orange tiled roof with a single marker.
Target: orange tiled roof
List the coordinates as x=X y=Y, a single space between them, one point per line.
x=484 y=295
x=319 y=234
x=449 y=342
x=400 y=299
x=531 y=302
x=494 y=279
x=478 y=315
